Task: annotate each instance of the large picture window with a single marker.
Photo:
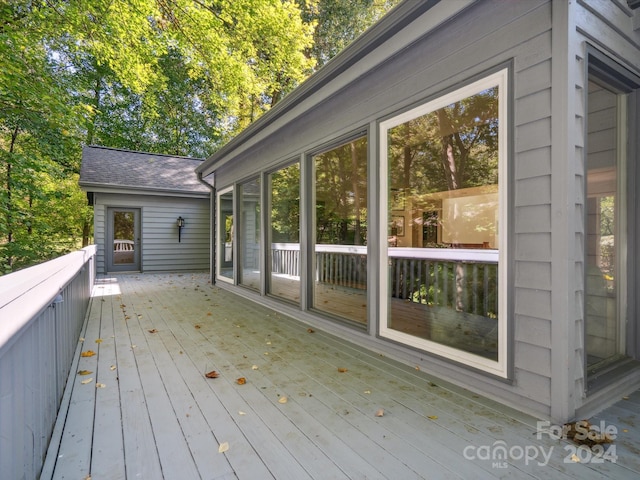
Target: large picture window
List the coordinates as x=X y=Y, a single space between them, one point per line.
x=444 y=199
x=225 y=253
x=284 y=219
x=249 y=238
x=340 y=260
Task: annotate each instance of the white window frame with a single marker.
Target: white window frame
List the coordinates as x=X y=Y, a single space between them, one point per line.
x=499 y=367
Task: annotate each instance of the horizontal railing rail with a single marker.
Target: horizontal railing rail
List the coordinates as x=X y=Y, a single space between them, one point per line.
x=462 y=279
x=42 y=311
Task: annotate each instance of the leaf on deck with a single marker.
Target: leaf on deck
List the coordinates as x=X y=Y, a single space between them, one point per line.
x=197 y=327
x=85 y=372
x=310 y=330
x=100 y=385
x=88 y=380
x=212 y=374
x=241 y=381
x=98 y=340
x=342 y=370
x=380 y=412
x=153 y=330
x=88 y=353
x=283 y=399
x=223 y=447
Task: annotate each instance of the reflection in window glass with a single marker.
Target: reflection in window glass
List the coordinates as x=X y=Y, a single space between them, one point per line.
x=442 y=222
x=605 y=236
x=249 y=237
x=284 y=254
x=124 y=238
x=341 y=231
x=225 y=235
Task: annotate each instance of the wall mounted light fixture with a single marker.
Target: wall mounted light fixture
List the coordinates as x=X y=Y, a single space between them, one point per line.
x=180 y=224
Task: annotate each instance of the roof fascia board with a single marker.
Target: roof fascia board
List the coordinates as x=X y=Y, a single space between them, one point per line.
x=373 y=47
x=117 y=189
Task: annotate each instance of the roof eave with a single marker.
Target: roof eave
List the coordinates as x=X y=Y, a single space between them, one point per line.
x=128 y=189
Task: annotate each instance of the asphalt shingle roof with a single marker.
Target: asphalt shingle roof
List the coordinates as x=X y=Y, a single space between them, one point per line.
x=110 y=167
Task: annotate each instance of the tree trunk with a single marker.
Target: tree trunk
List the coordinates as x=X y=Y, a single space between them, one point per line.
x=8 y=204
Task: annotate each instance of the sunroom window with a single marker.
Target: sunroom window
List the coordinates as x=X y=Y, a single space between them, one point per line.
x=225 y=262
x=340 y=247
x=249 y=238
x=284 y=233
x=444 y=199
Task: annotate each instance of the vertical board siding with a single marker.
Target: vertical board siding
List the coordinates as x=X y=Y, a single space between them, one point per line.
x=35 y=362
x=161 y=250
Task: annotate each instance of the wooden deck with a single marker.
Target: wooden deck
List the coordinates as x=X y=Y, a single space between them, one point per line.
x=147 y=411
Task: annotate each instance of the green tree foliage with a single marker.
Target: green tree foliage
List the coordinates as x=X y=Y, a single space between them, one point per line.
x=339 y=22
x=167 y=76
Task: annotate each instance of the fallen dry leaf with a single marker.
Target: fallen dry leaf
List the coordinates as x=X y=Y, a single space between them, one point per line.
x=212 y=374
x=98 y=340
x=254 y=367
x=209 y=314
x=88 y=380
x=283 y=400
x=88 y=353
x=310 y=330
x=223 y=447
x=241 y=381
x=81 y=339
x=342 y=370
x=85 y=372
x=240 y=412
x=153 y=330
x=197 y=327
x=112 y=367
x=367 y=392
x=380 y=412
x=432 y=417
x=100 y=385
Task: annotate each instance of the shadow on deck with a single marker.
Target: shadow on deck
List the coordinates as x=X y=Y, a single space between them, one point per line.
x=308 y=408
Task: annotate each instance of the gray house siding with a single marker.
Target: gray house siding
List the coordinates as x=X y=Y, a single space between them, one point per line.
x=543 y=42
x=487 y=35
x=160 y=248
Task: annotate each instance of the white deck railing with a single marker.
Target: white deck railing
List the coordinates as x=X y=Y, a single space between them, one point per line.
x=463 y=279
x=42 y=310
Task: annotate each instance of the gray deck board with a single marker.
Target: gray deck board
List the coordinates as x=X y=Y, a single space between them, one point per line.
x=158 y=417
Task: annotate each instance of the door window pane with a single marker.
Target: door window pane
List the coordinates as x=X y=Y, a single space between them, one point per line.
x=341 y=231
x=284 y=254
x=123 y=238
x=249 y=237
x=225 y=235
